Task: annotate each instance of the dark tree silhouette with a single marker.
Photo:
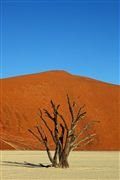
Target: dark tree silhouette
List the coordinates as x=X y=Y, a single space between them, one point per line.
x=63 y=135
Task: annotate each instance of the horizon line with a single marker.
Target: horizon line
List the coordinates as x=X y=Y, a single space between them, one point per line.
x=58 y=70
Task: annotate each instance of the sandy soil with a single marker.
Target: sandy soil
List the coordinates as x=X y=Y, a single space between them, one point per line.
x=83 y=166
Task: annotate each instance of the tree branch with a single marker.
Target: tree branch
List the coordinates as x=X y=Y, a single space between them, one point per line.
x=62 y=118
x=87 y=126
x=83 y=140
x=61 y=138
x=35 y=136
x=70 y=108
x=47 y=126
x=45 y=143
x=48 y=114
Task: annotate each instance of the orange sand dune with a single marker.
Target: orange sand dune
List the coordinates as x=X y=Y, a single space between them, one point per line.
x=21 y=97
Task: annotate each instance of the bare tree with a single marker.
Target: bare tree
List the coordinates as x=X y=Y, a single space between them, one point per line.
x=64 y=136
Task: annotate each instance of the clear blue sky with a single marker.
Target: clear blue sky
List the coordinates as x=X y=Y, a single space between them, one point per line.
x=80 y=37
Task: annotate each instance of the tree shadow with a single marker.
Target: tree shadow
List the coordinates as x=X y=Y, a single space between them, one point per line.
x=25 y=164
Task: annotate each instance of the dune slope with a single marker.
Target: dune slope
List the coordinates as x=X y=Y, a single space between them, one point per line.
x=22 y=96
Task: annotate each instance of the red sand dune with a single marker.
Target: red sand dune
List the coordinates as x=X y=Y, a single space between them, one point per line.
x=22 y=96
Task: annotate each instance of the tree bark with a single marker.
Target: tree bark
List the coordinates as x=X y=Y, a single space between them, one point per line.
x=63 y=163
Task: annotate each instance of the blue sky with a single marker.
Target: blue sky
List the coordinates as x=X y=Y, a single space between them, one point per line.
x=80 y=37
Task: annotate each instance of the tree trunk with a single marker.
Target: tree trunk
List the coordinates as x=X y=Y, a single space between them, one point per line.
x=63 y=163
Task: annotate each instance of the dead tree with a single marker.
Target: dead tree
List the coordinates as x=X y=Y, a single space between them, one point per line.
x=63 y=135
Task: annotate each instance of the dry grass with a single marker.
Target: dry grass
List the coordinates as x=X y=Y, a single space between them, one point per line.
x=83 y=166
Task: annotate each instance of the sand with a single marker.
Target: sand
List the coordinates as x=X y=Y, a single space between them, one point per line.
x=21 y=97
x=83 y=165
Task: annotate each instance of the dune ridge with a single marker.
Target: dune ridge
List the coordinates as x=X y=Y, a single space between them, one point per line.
x=22 y=96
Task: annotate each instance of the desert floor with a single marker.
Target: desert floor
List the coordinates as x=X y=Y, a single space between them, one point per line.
x=83 y=165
